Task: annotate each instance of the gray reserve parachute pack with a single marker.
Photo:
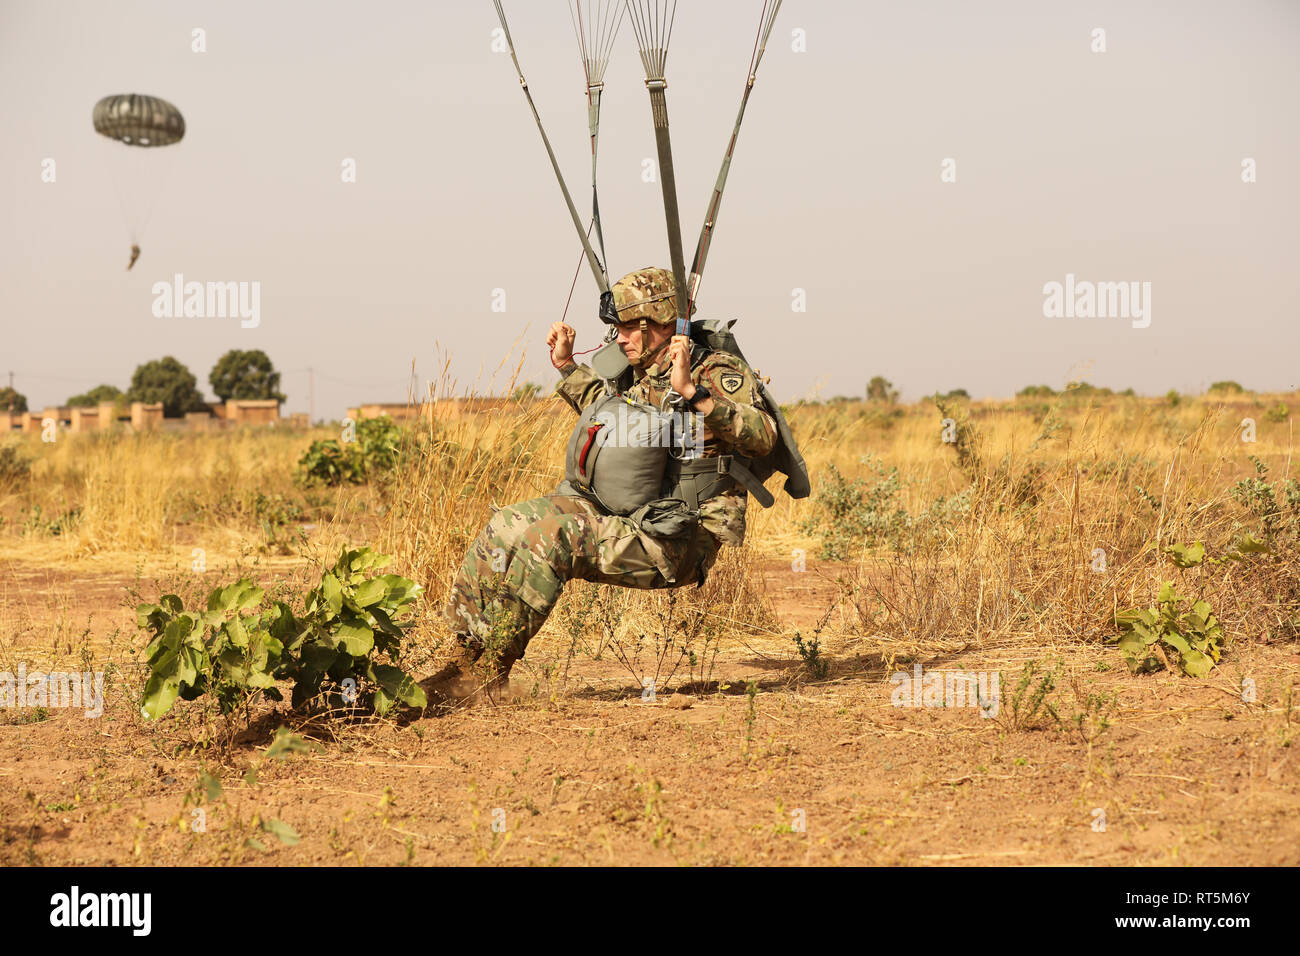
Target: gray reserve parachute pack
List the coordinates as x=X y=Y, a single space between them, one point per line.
x=623 y=455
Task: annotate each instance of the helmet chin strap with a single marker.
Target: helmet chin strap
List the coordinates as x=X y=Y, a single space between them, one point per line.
x=648 y=358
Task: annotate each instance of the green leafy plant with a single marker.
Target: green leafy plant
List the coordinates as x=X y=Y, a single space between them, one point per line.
x=232 y=654
x=1176 y=630
x=1193 y=555
x=350 y=619
x=238 y=650
x=327 y=463
x=373 y=455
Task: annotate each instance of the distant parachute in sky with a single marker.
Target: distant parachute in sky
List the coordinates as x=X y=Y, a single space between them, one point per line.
x=146 y=122
x=139 y=120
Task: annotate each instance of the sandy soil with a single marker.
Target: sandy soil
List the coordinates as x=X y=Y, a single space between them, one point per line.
x=800 y=771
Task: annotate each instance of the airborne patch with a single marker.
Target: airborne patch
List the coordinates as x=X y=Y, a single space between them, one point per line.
x=731 y=382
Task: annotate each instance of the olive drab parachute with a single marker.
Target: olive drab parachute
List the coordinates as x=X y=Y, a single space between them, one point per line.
x=138 y=120
x=139 y=126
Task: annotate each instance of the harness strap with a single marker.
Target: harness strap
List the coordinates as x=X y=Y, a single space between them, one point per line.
x=700 y=479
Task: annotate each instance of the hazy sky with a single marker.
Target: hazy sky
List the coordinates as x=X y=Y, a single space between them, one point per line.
x=1117 y=166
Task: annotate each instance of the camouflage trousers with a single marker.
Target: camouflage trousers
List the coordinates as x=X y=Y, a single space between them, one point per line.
x=514 y=572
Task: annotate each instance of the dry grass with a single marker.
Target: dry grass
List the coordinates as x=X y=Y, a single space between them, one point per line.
x=1038 y=493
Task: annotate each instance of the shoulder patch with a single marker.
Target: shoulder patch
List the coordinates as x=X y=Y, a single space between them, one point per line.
x=731 y=382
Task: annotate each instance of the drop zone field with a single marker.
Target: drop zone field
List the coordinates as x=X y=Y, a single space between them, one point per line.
x=1101 y=593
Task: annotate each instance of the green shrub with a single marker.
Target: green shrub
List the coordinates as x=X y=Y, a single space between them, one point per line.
x=1192 y=638
x=238 y=649
x=374 y=455
x=1260 y=497
x=860 y=513
x=15 y=468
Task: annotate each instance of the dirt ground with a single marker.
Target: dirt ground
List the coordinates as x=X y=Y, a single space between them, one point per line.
x=800 y=771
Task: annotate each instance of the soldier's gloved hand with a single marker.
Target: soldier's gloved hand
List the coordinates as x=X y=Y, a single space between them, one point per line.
x=560 y=340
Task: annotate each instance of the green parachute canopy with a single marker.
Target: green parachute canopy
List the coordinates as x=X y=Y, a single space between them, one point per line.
x=139 y=120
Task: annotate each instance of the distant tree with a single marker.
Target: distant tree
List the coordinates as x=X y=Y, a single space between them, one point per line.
x=881 y=389
x=1086 y=388
x=168 y=381
x=240 y=374
x=1227 y=386
x=100 y=393
x=8 y=395
x=1036 y=391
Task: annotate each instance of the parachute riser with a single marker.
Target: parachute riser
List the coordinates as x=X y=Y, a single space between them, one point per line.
x=766 y=20
x=672 y=217
x=597 y=269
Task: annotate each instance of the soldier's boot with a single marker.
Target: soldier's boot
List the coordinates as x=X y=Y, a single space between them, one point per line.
x=458 y=680
x=496 y=683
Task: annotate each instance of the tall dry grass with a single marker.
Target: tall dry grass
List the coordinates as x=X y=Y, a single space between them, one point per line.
x=1064 y=520
x=156 y=492
x=1032 y=495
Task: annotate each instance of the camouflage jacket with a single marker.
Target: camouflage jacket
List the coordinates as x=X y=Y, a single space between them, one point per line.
x=738 y=424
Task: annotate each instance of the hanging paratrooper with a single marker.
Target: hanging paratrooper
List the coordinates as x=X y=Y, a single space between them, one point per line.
x=675 y=430
x=142 y=123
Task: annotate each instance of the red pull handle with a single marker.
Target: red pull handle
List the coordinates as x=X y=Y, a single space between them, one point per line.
x=591 y=437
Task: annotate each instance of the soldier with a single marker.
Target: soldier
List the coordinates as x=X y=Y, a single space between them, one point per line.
x=512 y=575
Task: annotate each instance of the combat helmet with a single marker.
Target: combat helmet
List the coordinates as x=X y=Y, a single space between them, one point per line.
x=647 y=294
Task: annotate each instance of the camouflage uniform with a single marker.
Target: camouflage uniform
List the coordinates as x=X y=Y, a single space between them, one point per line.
x=514 y=572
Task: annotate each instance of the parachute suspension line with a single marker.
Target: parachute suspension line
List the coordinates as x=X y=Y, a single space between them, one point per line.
x=653 y=27
x=597 y=269
x=768 y=17
x=574 y=284
x=567 y=302
x=595 y=31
